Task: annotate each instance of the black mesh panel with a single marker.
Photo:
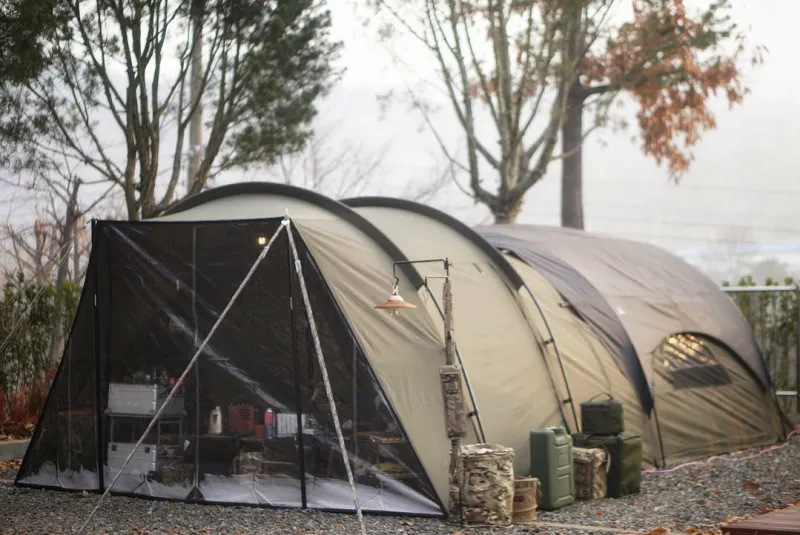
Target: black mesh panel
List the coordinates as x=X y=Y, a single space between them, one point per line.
x=252 y=423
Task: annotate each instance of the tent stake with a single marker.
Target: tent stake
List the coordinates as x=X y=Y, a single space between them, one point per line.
x=182 y=378
x=324 y=372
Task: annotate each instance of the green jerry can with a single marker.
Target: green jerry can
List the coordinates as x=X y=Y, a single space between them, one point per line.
x=603 y=417
x=625 y=470
x=551 y=464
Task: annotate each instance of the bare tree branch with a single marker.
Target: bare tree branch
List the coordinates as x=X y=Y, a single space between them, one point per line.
x=526 y=65
x=112 y=100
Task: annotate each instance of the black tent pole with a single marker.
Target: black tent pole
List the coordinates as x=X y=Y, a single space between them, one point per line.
x=297 y=392
x=660 y=441
x=98 y=382
x=195 y=493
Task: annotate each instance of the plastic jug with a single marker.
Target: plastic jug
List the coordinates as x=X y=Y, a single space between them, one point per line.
x=215 y=421
x=269 y=423
x=551 y=464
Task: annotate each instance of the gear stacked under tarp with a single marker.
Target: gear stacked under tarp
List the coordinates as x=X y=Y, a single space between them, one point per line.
x=625 y=467
x=603 y=424
x=488 y=495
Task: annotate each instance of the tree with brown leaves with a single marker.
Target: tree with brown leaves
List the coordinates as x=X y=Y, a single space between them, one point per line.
x=504 y=59
x=672 y=63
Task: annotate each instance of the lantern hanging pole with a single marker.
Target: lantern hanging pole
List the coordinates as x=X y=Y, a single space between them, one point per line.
x=325 y=379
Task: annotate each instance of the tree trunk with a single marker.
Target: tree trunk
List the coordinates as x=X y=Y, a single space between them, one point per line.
x=196 y=90
x=68 y=234
x=572 y=165
x=507 y=211
x=76 y=251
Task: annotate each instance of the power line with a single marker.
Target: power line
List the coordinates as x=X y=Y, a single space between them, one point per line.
x=665 y=223
x=703 y=187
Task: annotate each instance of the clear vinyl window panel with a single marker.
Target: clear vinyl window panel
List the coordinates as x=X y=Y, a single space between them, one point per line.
x=688 y=362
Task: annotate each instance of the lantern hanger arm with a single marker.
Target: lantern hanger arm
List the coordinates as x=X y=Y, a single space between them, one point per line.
x=444 y=261
x=435 y=277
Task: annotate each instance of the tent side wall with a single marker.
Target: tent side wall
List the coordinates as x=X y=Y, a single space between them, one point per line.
x=579 y=290
x=500 y=351
x=405 y=352
x=653 y=294
x=63 y=451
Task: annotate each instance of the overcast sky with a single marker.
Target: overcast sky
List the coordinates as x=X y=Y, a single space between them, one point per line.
x=742 y=186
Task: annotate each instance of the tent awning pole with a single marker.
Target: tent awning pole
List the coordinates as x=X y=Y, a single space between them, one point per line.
x=325 y=379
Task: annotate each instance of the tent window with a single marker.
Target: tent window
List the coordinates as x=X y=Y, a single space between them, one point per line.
x=690 y=363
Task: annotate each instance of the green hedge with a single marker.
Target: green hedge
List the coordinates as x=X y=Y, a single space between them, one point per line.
x=28 y=315
x=774 y=319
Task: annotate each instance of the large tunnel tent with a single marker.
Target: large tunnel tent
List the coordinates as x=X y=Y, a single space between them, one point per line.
x=637 y=297
x=632 y=292
x=599 y=309
x=529 y=355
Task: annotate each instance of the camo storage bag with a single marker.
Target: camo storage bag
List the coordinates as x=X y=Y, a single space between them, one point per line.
x=488 y=496
x=591 y=478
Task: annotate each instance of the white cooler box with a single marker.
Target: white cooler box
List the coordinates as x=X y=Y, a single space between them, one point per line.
x=143 y=462
x=136 y=399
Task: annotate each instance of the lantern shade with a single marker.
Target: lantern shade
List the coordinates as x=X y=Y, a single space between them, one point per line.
x=395 y=302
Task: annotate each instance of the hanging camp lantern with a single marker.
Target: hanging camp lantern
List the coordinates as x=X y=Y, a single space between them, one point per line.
x=395 y=303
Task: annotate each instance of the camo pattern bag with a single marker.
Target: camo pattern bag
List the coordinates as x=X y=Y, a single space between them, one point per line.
x=488 y=484
x=591 y=477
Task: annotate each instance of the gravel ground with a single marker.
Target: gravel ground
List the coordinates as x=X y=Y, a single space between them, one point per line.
x=692 y=498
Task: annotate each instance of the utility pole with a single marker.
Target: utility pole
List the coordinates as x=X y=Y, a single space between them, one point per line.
x=196 y=97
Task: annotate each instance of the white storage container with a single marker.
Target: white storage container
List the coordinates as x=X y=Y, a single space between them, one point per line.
x=142 y=399
x=287 y=424
x=143 y=462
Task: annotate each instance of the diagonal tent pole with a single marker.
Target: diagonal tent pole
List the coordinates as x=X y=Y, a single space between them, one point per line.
x=180 y=381
x=321 y=359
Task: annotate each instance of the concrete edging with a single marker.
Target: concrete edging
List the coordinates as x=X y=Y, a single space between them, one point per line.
x=11 y=450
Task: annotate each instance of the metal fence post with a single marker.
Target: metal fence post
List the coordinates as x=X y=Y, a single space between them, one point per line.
x=797 y=349
x=786 y=347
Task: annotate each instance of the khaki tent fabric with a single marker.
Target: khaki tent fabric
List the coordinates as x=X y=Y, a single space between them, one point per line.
x=589 y=368
x=498 y=347
x=515 y=376
x=701 y=422
x=641 y=292
x=405 y=352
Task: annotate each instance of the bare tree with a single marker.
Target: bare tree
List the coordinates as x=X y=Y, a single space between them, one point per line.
x=735 y=240
x=337 y=170
x=342 y=169
x=31 y=250
x=510 y=58
x=113 y=97
x=60 y=243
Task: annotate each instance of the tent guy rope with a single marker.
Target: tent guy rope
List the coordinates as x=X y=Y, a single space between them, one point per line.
x=324 y=371
x=179 y=382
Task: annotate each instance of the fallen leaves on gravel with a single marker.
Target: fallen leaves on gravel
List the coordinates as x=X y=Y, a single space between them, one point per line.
x=751 y=485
